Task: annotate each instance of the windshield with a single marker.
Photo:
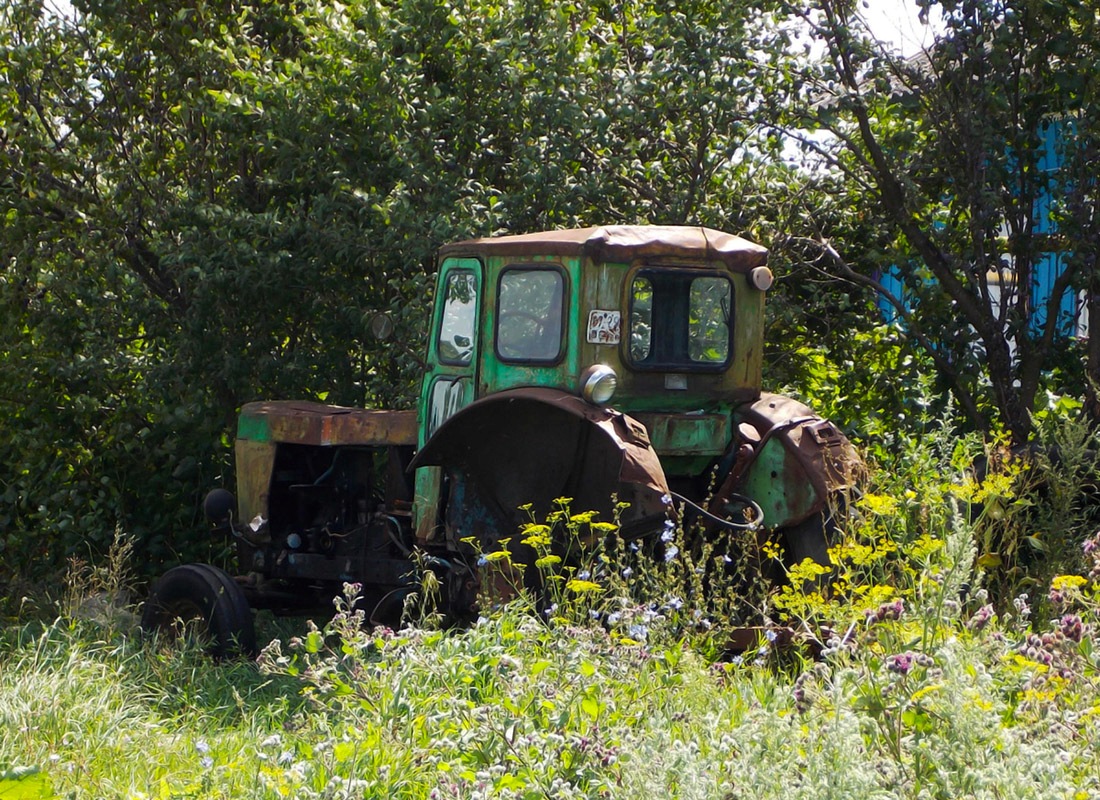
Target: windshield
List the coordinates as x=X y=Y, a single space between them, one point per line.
x=680 y=320
x=529 y=314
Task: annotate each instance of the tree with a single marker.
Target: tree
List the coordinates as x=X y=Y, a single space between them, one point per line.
x=204 y=205
x=946 y=157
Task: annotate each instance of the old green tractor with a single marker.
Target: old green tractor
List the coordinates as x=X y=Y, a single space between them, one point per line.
x=614 y=364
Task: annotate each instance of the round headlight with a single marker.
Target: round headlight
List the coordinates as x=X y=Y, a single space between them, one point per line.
x=598 y=384
x=761 y=278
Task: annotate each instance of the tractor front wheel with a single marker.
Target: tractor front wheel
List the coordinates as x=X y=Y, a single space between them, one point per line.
x=202 y=600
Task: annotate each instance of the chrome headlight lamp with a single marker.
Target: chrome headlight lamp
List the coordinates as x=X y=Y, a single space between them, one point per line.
x=598 y=384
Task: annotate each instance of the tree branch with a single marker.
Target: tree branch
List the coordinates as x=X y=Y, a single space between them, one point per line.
x=913 y=329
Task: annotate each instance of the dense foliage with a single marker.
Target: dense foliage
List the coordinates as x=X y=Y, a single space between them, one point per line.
x=204 y=206
x=971 y=169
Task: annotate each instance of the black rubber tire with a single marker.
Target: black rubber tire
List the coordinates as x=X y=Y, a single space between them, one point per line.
x=810 y=538
x=205 y=594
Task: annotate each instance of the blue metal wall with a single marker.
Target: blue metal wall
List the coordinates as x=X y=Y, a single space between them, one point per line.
x=1049 y=266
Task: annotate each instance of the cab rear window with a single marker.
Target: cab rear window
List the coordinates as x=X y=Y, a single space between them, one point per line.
x=680 y=320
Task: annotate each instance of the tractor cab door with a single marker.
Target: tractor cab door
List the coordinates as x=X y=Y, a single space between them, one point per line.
x=451 y=373
x=527 y=341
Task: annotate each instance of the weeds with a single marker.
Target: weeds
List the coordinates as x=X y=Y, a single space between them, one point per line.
x=934 y=672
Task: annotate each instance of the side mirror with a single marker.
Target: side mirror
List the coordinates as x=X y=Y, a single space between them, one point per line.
x=381 y=326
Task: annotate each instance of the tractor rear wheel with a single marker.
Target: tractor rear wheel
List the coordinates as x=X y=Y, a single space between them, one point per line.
x=810 y=539
x=202 y=600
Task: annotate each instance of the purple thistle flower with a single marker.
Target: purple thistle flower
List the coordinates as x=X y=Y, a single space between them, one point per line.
x=900 y=663
x=1072 y=627
x=981 y=618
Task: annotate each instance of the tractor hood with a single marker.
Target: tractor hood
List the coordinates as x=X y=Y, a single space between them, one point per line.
x=532 y=445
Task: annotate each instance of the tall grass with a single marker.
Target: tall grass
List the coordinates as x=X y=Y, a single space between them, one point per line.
x=919 y=667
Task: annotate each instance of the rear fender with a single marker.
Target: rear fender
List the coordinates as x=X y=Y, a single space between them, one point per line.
x=798 y=461
x=533 y=445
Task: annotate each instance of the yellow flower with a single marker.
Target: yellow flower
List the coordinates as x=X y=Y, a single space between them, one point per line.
x=879 y=594
x=924 y=546
x=770 y=550
x=578 y=586
x=879 y=504
x=1064 y=582
x=535 y=535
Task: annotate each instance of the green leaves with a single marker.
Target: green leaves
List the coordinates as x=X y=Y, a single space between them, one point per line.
x=962 y=188
x=24 y=783
x=204 y=204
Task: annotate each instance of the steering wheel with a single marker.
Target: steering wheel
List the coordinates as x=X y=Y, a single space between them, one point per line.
x=521 y=346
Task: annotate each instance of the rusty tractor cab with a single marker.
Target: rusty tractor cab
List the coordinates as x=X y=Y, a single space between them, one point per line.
x=617 y=361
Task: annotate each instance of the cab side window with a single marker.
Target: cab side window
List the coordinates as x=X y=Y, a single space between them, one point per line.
x=457 y=328
x=448 y=396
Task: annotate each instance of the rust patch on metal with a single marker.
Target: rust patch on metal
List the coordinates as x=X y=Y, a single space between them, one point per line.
x=687 y=434
x=623 y=244
x=324 y=425
x=817 y=444
x=812 y=457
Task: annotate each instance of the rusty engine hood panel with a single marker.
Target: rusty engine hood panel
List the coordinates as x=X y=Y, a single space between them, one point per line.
x=532 y=445
x=297 y=422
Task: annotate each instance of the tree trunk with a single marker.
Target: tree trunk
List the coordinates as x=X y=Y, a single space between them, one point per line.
x=1092 y=356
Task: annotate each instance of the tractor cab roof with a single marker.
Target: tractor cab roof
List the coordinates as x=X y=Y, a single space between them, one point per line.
x=622 y=244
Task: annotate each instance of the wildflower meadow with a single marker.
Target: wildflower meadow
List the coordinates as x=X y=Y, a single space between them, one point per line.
x=941 y=655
